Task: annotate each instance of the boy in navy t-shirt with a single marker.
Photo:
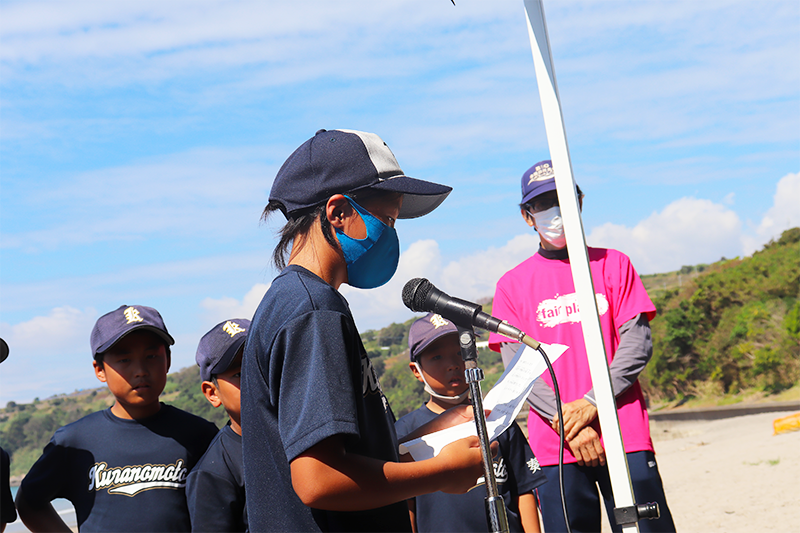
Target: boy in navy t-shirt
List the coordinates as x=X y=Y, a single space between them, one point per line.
x=436 y=361
x=8 y=513
x=318 y=441
x=215 y=488
x=124 y=468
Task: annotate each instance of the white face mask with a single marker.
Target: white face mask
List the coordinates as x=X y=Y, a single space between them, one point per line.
x=454 y=400
x=550 y=226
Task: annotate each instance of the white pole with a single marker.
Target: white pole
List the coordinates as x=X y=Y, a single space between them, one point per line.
x=579 y=259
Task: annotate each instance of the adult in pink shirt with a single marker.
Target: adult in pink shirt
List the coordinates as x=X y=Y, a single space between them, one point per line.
x=538 y=296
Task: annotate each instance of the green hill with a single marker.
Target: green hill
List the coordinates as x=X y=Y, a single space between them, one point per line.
x=734 y=327
x=725 y=332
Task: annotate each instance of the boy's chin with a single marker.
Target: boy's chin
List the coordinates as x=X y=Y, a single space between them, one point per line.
x=141 y=400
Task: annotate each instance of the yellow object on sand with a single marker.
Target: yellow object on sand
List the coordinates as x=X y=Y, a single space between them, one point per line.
x=786 y=424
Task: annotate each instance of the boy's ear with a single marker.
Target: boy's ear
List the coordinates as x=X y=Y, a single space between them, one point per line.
x=210 y=392
x=338 y=210
x=415 y=370
x=99 y=371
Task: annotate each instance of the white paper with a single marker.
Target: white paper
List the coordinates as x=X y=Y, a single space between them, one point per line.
x=504 y=400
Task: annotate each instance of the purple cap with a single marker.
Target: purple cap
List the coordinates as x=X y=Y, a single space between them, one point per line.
x=537 y=180
x=344 y=161
x=218 y=347
x=113 y=326
x=426 y=330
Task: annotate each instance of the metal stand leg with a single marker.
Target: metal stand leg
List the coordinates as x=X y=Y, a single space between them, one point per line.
x=495 y=508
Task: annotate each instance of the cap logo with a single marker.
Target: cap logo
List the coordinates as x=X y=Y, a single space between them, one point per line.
x=438 y=321
x=132 y=315
x=541 y=172
x=232 y=328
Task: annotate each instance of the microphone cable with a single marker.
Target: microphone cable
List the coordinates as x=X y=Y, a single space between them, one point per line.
x=560 y=433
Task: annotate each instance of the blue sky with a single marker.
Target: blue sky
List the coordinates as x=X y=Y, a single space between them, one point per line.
x=139 y=140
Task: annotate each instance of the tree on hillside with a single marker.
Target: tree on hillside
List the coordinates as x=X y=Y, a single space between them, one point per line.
x=733 y=327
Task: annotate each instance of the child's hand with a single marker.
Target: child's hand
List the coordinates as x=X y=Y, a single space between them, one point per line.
x=461 y=464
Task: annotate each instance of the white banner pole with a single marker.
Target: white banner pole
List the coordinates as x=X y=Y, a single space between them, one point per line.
x=579 y=259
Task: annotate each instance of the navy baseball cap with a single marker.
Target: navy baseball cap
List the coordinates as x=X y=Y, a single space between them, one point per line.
x=426 y=330
x=113 y=326
x=344 y=161
x=537 y=180
x=218 y=347
x=3 y=350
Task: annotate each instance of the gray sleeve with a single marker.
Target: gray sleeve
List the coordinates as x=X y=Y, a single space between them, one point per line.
x=634 y=351
x=542 y=398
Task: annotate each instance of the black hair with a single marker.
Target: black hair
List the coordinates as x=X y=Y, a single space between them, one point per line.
x=527 y=204
x=300 y=222
x=297 y=224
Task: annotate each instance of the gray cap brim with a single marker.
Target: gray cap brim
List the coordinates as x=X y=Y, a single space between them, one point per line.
x=419 y=197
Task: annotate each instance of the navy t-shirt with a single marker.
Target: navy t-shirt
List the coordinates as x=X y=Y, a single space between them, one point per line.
x=8 y=513
x=215 y=488
x=307 y=377
x=122 y=475
x=516 y=471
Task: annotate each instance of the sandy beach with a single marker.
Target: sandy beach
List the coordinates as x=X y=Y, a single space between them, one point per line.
x=730 y=475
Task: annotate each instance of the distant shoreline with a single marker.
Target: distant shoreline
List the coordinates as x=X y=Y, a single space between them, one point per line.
x=723 y=411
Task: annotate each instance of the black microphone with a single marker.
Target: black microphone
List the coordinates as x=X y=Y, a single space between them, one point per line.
x=420 y=295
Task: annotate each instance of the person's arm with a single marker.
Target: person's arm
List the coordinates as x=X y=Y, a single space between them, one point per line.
x=454 y=416
x=327 y=477
x=633 y=353
x=528 y=512
x=42 y=518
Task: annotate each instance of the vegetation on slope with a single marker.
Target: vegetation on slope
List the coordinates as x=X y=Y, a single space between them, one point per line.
x=735 y=327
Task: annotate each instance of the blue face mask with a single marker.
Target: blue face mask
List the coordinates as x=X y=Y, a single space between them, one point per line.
x=371 y=261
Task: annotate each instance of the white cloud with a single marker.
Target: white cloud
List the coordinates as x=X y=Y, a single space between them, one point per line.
x=474 y=276
x=688 y=231
x=159 y=40
x=41 y=335
x=48 y=355
x=218 y=310
x=785 y=210
x=729 y=199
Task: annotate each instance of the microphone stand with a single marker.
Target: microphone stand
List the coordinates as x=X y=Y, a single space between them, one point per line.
x=495 y=507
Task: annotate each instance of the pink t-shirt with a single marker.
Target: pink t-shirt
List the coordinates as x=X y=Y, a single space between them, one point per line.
x=538 y=296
